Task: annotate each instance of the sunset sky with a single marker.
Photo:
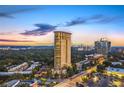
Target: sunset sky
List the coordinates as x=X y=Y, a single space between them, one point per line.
x=34 y=25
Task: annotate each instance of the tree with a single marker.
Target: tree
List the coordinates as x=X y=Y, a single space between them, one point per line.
x=43 y=80
x=56 y=75
x=3 y=69
x=100 y=68
x=70 y=72
x=106 y=63
x=49 y=73
x=84 y=79
x=74 y=67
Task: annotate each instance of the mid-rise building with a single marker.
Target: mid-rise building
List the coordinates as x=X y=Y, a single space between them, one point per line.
x=103 y=46
x=85 y=48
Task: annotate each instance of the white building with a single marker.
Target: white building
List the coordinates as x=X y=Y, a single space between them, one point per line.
x=20 y=67
x=35 y=64
x=116 y=63
x=79 y=64
x=12 y=73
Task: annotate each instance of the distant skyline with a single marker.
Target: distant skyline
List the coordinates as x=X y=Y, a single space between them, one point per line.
x=34 y=25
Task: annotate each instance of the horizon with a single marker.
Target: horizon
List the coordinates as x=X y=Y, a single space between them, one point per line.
x=34 y=25
x=45 y=46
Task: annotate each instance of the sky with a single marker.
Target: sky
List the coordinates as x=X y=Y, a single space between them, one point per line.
x=34 y=25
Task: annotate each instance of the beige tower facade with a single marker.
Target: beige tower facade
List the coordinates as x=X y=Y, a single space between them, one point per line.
x=62 y=50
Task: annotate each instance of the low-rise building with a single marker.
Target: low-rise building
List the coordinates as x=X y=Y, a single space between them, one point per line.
x=115 y=71
x=79 y=64
x=35 y=64
x=116 y=63
x=20 y=67
x=12 y=73
x=99 y=58
x=11 y=83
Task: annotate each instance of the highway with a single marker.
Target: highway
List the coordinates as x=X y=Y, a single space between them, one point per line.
x=71 y=82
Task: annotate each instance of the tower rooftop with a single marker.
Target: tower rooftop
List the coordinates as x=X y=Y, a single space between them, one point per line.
x=62 y=32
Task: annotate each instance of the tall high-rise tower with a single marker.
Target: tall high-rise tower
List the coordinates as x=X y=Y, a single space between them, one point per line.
x=62 y=50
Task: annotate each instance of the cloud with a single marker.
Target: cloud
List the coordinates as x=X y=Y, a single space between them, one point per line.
x=5 y=33
x=9 y=40
x=76 y=21
x=94 y=17
x=99 y=19
x=10 y=14
x=42 y=29
x=105 y=20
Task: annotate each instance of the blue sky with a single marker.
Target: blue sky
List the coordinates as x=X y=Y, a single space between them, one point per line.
x=86 y=23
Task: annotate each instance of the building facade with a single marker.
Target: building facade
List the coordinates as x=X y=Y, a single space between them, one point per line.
x=62 y=49
x=103 y=46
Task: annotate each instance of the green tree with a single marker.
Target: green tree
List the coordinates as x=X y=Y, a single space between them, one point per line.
x=100 y=68
x=70 y=71
x=74 y=68
x=43 y=80
x=106 y=63
x=56 y=75
x=3 y=69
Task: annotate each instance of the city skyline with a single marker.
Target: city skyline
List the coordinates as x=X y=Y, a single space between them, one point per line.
x=34 y=25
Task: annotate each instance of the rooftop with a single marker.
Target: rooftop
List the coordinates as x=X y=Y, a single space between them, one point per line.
x=62 y=32
x=116 y=63
x=119 y=70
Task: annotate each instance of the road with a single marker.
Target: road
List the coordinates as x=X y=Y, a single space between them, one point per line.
x=16 y=83
x=71 y=82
